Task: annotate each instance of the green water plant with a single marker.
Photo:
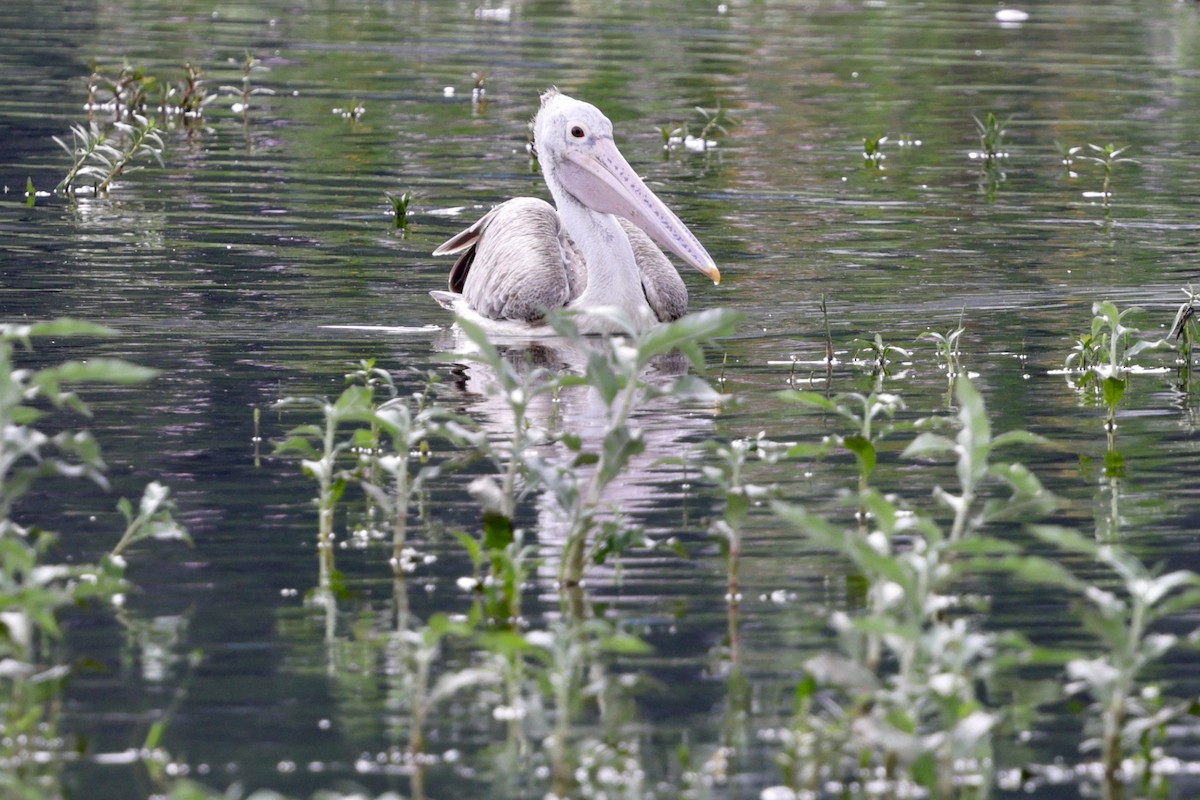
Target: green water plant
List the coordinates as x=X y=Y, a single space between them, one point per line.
x=246 y=90
x=1107 y=157
x=321 y=446
x=726 y=468
x=873 y=155
x=1185 y=330
x=991 y=138
x=614 y=368
x=102 y=155
x=902 y=694
x=1102 y=359
x=35 y=588
x=1128 y=712
x=566 y=663
x=1068 y=155
x=399 y=203
x=991 y=153
x=122 y=128
x=948 y=350
x=880 y=356
x=948 y=346
x=379 y=444
x=713 y=122
x=870 y=418
x=121 y=95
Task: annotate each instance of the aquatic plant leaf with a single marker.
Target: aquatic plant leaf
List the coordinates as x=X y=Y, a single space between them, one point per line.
x=1174 y=604
x=928 y=444
x=65 y=326
x=1107 y=623
x=864 y=452
x=1034 y=569
x=1152 y=591
x=96 y=370
x=301 y=443
x=809 y=398
x=621 y=643
x=925 y=771
x=693 y=389
x=617 y=539
x=737 y=508
x=455 y=682
x=1029 y=499
x=602 y=377
x=975 y=435
x=355 y=401
x=697 y=328
x=906 y=746
x=836 y=670
x=497 y=530
x=1018 y=437
x=1067 y=539
x=620 y=445
x=1114 y=389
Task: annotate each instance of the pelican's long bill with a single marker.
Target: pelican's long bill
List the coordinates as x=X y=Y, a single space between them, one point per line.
x=603 y=180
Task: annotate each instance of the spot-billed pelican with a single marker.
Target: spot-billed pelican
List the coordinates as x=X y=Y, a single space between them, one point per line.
x=525 y=258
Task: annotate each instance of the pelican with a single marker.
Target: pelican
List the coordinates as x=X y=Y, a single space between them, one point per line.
x=595 y=252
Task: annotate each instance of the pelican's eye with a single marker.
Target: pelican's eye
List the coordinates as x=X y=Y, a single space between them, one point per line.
x=578 y=132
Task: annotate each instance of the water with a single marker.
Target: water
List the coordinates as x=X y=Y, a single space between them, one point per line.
x=228 y=268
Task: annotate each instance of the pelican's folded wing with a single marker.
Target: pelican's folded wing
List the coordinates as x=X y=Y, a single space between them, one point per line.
x=514 y=263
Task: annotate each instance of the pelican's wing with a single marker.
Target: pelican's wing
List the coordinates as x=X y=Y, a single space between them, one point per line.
x=661 y=283
x=516 y=263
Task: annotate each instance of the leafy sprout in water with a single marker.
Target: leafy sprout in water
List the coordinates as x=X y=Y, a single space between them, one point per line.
x=1107 y=157
x=187 y=100
x=247 y=90
x=400 y=210
x=1185 y=329
x=153 y=519
x=1069 y=155
x=991 y=138
x=713 y=122
x=879 y=355
x=948 y=350
x=866 y=415
x=353 y=111
x=873 y=155
x=124 y=94
x=479 y=90
x=1102 y=357
x=103 y=155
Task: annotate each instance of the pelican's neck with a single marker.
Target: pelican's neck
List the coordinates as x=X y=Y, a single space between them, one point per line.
x=613 y=279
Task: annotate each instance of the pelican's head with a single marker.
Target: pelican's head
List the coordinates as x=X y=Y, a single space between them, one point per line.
x=575 y=147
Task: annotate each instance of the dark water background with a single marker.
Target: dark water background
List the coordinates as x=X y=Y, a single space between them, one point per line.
x=225 y=268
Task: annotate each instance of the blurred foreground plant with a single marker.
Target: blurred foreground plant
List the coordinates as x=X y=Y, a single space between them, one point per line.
x=34 y=589
x=904 y=692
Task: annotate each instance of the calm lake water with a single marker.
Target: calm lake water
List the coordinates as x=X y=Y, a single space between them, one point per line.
x=228 y=268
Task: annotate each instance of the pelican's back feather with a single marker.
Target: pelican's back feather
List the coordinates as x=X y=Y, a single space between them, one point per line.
x=514 y=263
